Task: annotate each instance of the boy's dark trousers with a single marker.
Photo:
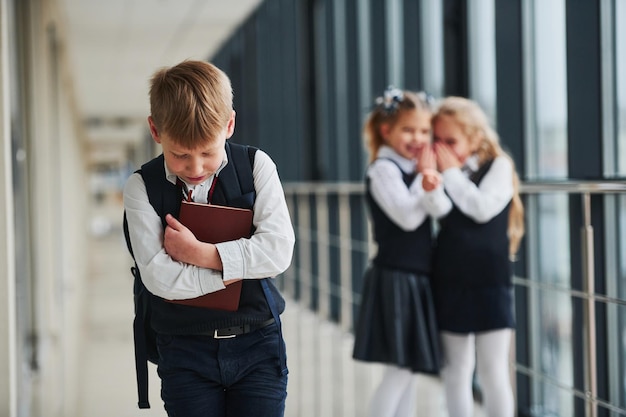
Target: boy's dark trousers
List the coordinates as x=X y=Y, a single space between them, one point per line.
x=234 y=377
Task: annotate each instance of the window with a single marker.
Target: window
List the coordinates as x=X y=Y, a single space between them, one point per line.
x=432 y=45
x=548 y=214
x=617 y=344
x=620 y=64
x=482 y=54
x=548 y=105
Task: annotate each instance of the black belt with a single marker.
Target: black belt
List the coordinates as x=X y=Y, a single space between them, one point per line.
x=230 y=332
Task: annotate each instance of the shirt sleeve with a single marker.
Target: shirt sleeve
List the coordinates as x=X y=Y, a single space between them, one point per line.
x=481 y=203
x=436 y=202
x=400 y=203
x=162 y=275
x=269 y=250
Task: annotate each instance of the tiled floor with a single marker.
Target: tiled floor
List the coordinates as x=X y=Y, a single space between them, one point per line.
x=324 y=381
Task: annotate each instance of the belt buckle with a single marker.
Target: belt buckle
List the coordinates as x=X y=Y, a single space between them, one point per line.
x=217 y=336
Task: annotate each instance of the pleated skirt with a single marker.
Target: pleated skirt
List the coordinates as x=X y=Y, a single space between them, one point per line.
x=396 y=323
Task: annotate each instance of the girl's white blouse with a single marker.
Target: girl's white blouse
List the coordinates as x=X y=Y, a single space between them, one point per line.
x=407 y=207
x=483 y=202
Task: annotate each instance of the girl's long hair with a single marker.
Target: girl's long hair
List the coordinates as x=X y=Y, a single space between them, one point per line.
x=475 y=124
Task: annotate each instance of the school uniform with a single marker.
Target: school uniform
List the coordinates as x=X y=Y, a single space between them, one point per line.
x=472 y=286
x=214 y=362
x=248 y=258
x=396 y=323
x=471 y=268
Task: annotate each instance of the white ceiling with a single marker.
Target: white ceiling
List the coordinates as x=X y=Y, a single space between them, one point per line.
x=114 y=46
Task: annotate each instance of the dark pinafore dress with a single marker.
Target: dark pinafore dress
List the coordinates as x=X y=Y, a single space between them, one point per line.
x=472 y=271
x=396 y=323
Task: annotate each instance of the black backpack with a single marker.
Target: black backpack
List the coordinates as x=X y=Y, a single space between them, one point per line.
x=236 y=175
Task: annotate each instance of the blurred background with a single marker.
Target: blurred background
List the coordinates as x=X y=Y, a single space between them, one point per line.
x=73 y=86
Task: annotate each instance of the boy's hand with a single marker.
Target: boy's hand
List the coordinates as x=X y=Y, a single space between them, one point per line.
x=178 y=240
x=181 y=244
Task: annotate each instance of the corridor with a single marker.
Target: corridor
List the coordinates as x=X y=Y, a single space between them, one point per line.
x=323 y=381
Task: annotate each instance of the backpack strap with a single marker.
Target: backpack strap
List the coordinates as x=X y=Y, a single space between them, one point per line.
x=282 y=354
x=239 y=154
x=140 y=336
x=162 y=197
x=246 y=183
x=139 y=329
x=161 y=193
x=236 y=177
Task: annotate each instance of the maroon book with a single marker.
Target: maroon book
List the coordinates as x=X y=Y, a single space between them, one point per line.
x=214 y=224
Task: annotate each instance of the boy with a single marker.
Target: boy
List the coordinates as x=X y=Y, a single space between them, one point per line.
x=211 y=362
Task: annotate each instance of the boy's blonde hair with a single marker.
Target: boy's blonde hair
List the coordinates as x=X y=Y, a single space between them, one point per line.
x=470 y=117
x=387 y=111
x=191 y=102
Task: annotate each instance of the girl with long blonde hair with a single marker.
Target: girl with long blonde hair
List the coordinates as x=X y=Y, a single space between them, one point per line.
x=472 y=269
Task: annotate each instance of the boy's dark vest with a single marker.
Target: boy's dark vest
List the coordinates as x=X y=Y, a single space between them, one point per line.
x=470 y=254
x=259 y=298
x=398 y=249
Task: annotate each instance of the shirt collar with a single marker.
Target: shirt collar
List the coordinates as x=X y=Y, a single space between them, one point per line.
x=471 y=163
x=171 y=177
x=407 y=165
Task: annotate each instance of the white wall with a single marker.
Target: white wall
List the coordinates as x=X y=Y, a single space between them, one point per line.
x=7 y=258
x=57 y=212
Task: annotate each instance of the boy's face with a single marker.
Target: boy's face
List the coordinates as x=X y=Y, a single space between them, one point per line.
x=193 y=166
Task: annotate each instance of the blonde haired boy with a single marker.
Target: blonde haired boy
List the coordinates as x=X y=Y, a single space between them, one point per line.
x=211 y=362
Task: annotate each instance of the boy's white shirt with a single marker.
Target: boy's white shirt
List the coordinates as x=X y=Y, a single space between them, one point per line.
x=266 y=254
x=483 y=202
x=407 y=207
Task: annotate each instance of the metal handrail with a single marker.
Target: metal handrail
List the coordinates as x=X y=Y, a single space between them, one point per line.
x=527 y=187
x=574 y=187
x=585 y=188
